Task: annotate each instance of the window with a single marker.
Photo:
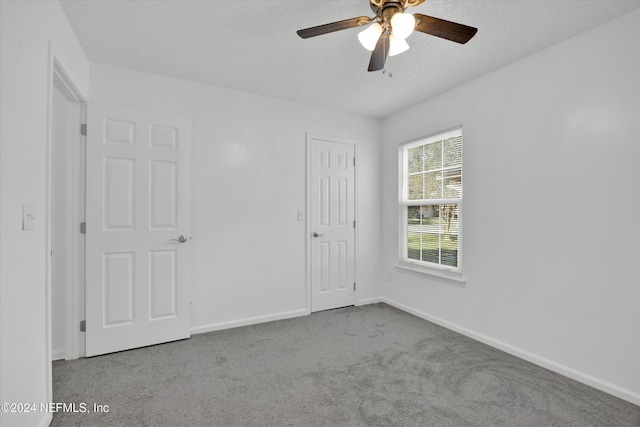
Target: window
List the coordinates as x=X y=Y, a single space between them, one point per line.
x=431 y=201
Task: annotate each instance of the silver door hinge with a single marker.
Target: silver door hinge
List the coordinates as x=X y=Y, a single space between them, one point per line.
x=354 y=224
x=83 y=228
x=354 y=161
x=83 y=326
x=83 y=129
x=354 y=286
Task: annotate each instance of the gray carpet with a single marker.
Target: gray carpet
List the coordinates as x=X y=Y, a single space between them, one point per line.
x=357 y=366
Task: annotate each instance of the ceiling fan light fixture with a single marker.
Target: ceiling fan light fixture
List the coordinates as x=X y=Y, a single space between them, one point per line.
x=403 y=25
x=397 y=45
x=369 y=37
x=390 y=27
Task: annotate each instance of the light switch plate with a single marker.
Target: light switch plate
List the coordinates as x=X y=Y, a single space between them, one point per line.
x=28 y=216
x=300 y=216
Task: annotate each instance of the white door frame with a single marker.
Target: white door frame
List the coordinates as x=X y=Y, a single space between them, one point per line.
x=59 y=79
x=308 y=228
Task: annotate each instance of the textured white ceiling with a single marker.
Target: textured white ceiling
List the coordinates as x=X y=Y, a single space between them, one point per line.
x=253 y=46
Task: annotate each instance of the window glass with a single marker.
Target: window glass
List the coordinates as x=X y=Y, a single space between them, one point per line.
x=431 y=200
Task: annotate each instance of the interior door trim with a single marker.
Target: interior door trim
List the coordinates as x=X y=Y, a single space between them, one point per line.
x=60 y=78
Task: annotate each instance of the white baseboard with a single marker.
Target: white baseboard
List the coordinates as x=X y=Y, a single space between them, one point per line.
x=57 y=354
x=249 y=321
x=574 y=374
x=367 y=301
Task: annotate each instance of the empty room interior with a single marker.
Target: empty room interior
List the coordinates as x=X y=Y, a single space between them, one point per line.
x=365 y=212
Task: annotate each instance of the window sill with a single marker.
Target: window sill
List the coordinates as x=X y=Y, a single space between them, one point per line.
x=450 y=277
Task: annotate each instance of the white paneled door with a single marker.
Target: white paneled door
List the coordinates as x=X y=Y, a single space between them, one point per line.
x=138 y=229
x=332 y=208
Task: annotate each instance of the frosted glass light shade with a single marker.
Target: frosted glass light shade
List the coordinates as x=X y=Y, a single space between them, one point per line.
x=397 y=45
x=402 y=25
x=369 y=37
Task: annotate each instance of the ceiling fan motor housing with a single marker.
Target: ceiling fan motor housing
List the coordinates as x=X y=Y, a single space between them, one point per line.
x=386 y=10
x=378 y=4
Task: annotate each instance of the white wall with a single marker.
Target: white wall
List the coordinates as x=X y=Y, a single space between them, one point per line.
x=26 y=28
x=248 y=182
x=551 y=208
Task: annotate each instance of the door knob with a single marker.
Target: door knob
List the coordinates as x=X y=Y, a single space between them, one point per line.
x=315 y=234
x=180 y=239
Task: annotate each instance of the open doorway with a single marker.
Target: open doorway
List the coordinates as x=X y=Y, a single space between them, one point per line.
x=66 y=213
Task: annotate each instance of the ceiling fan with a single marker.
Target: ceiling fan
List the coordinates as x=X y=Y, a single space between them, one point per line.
x=390 y=27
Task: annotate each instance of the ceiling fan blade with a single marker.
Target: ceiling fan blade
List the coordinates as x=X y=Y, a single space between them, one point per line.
x=380 y=53
x=333 y=26
x=444 y=29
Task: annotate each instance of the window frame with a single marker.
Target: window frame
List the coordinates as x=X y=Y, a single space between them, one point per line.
x=438 y=271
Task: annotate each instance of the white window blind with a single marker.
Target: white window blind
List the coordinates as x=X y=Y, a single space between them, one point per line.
x=431 y=201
